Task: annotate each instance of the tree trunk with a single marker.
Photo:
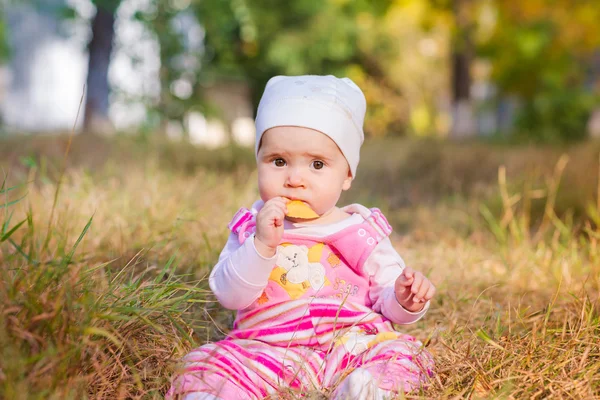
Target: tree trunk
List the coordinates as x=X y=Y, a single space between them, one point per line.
x=594 y=121
x=594 y=124
x=96 y=118
x=463 y=117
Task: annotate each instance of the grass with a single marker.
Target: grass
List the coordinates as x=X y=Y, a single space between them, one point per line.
x=104 y=289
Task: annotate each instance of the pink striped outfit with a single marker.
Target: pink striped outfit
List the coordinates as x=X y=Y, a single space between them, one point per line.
x=321 y=308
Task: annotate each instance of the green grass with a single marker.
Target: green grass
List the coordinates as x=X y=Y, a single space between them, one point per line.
x=103 y=277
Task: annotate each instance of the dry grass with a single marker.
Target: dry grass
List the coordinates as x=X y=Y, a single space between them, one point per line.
x=101 y=300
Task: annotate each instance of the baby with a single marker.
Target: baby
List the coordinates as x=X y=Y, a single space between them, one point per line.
x=316 y=289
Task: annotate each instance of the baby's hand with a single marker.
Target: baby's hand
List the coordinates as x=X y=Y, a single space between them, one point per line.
x=269 y=226
x=413 y=290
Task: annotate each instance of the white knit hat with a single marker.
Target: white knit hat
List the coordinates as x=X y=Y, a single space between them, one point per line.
x=333 y=106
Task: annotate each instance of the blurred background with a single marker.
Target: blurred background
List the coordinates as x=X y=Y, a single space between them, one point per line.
x=194 y=70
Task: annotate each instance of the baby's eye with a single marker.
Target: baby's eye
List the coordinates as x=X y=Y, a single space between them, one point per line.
x=279 y=162
x=318 y=164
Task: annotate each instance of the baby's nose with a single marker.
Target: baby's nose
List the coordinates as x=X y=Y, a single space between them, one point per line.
x=294 y=178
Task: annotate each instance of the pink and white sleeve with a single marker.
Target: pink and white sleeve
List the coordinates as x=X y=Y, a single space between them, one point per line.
x=241 y=274
x=384 y=266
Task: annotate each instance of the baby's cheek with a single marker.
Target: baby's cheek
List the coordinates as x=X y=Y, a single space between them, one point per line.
x=329 y=196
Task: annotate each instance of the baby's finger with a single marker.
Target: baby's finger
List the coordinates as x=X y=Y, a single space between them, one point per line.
x=403 y=295
x=278 y=220
x=279 y=206
x=420 y=296
x=273 y=214
x=279 y=214
x=404 y=281
x=408 y=272
x=430 y=293
x=281 y=200
x=278 y=202
x=418 y=281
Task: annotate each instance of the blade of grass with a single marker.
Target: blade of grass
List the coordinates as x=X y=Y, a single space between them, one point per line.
x=10 y=203
x=3 y=190
x=93 y=331
x=67 y=259
x=9 y=233
x=61 y=176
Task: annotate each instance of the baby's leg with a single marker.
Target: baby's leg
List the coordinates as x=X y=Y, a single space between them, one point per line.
x=245 y=369
x=359 y=385
x=399 y=365
x=396 y=365
x=211 y=370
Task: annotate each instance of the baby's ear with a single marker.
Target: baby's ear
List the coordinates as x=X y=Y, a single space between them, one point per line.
x=348 y=181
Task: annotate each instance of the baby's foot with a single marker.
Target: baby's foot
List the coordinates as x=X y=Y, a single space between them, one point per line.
x=359 y=385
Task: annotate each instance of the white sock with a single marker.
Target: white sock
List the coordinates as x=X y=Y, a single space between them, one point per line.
x=200 y=396
x=359 y=385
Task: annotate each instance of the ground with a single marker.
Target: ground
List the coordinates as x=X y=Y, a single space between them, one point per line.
x=104 y=260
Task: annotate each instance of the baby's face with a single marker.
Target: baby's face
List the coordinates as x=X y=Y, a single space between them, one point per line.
x=302 y=164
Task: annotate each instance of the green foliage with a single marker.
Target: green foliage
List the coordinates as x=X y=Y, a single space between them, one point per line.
x=255 y=40
x=108 y=5
x=4 y=47
x=555 y=115
x=544 y=60
x=399 y=52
